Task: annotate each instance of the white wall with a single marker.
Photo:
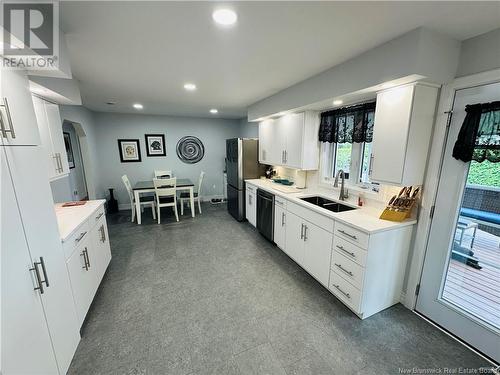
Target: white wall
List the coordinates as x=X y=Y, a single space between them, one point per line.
x=111 y=127
x=248 y=129
x=480 y=54
x=76 y=174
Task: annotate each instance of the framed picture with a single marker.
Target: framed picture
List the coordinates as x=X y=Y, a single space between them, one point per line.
x=155 y=145
x=69 y=150
x=130 y=151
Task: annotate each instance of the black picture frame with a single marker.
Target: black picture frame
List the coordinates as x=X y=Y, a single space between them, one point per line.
x=69 y=150
x=134 y=143
x=155 y=140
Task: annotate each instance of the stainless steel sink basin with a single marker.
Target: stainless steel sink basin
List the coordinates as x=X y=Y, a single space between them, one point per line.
x=328 y=204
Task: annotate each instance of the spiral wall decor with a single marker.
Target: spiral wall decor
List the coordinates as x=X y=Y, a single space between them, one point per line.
x=190 y=149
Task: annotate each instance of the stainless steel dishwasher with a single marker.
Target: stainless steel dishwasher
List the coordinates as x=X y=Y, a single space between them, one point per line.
x=265 y=214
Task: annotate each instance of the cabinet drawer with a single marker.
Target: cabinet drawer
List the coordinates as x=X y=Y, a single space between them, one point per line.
x=78 y=236
x=279 y=201
x=251 y=188
x=349 y=270
x=96 y=216
x=345 y=292
x=313 y=217
x=349 y=250
x=351 y=234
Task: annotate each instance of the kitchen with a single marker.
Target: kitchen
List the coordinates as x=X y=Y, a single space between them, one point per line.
x=329 y=218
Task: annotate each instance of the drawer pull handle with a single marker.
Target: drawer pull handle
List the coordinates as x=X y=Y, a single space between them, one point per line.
x=343 y=269
x=305 y=232
x=282 y=219
x=348 y=234
x=99 y=216
x=103 y=233
x=341 y=291
x=345 y=251
x=302 y=231
x=86 y=260
x=81 y=236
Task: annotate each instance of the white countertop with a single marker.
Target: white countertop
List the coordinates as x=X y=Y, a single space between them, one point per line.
x=363 y=218
x=70 y=218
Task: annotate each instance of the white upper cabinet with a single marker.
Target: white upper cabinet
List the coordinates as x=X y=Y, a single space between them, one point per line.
x=403 y=123
x=52 y=140
x=18 y=126
x=290 y=141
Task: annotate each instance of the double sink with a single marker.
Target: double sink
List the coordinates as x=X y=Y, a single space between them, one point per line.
x=327 y=204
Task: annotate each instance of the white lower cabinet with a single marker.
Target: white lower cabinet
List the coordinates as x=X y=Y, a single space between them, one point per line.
x=364 y=270
x=317 y=244
x=89 y=256
x=251 y=205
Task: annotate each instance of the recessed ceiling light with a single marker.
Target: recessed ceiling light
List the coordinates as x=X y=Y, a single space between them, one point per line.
x=190 y=86
x=138 y=106
x=225 y=17
x=214 y=111
x=337 y=102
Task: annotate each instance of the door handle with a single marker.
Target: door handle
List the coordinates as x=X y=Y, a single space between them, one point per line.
x=4 y=107
x=38 y=278
x=282 y=219
x=103 y=234
x=286 y=156
x=44 y=270
x=305 y=232
x=85 y=266
x=87 y=256
x=370 y=166
x=302 y=231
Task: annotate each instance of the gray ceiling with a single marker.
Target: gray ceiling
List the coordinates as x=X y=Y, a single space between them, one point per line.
x=145 y=51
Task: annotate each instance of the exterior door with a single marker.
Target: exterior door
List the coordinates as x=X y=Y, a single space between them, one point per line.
x=460 y=282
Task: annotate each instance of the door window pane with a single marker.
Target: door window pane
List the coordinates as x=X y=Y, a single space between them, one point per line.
x=473 y=277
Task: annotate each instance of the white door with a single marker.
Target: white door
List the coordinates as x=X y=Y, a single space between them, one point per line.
x=265 y=141
x=42 y=233
x=294 y=133
x=461 y=277
x=17 y=114
x=279 y=226
x=294 y=238
x=318 y=245
x=26 y=344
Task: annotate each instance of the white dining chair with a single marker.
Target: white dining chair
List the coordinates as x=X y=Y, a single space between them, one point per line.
x=146 y=201
x=166 y=194
x=184 y=197
x=163 y=174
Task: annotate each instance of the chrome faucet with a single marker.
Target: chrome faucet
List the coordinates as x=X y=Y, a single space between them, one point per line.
x=344 y=193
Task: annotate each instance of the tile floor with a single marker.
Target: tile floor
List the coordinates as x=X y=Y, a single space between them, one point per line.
x=210 y=296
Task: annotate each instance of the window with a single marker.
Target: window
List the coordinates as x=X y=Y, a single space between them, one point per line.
x=347 y=135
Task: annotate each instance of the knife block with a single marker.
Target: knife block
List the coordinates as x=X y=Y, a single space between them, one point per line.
x=398 y=214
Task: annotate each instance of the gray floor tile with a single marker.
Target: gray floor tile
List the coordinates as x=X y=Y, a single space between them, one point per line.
x=190 y=298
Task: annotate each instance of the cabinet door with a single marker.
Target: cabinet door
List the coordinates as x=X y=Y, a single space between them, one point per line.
x=26 y=344
x=46 y=141
x=251 y=208
x=56 y=134
x=82 y=279
x=293 y=129
x=18 y=114
x=264 y=141
x=279 y=226
x=390 y=134
x=317 y=253
x=271 y=143
x=101 y=244
x=294 y=241
x=42 y=233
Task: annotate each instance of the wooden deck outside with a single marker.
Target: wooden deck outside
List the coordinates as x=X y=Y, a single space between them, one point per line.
x=477 y=291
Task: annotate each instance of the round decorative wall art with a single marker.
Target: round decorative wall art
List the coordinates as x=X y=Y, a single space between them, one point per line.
x=190 y=149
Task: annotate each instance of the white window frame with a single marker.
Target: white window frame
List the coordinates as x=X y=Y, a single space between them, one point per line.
x=326 y=166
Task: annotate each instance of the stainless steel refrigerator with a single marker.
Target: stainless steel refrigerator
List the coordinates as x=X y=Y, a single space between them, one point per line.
x=242 y=163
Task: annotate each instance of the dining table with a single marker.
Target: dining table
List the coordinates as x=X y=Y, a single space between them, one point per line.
x=143 y=187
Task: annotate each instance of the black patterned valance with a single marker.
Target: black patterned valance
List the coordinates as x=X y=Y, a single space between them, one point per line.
x=479 y=136
x=348 y=124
